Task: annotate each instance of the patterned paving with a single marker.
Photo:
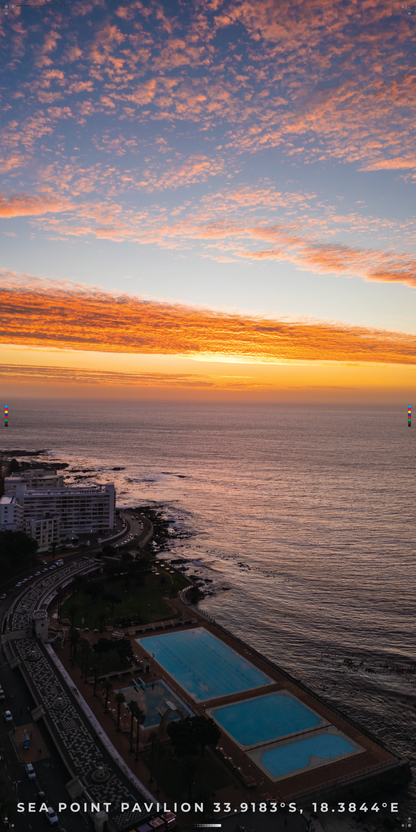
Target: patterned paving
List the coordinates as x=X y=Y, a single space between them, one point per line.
x=76 y=736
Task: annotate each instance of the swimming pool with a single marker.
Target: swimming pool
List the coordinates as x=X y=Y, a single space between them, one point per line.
x=152 y=700
x=265 y=718
x=202 y=664
x=294 y=757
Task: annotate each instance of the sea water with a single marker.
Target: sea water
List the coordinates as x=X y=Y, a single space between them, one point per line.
x=299 y=521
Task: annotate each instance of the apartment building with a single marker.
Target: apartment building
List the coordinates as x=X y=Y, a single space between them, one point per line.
x=11 y=514
x=45 y=530
x=33 y=478
x=81 y=509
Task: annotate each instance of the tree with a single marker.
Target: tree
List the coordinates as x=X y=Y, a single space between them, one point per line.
x=72 y=611
x=112 y=599
x=74 y=639
x=124 y=650
x=101 y=618
x=156 y=750
x=78 y=583
x=205 y=732
x=120 y=698
x=108 y=687
x=97 y=670
x=59 y=598
x=16 y=548
x=85 y=650
x=190 y=766
x=94 y=590
x=109 y=550
x=188 y=735
x=140 y=717
x=103 y=645
x=182 y=736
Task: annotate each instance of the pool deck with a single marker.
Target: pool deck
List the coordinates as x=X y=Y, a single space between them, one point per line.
x=362 y=773
x=372 y=761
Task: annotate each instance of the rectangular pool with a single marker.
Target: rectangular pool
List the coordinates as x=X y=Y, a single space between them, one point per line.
x=202 y=664
x=152 y=700
x=265 y=718
x=297 y=756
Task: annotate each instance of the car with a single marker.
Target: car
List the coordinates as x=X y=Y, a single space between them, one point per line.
x=30 y=771
x=2 y=597
x=52 y=567
x=52 y=816
x=96 y=631
x=86 y=629
x=44 y=570
x=37 y=573
x=8 y=716
x=19 y=583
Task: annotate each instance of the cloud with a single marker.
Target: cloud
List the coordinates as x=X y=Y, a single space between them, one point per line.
x=71 y=375
x=65 y=315
x=20 y=205
x=262 y=74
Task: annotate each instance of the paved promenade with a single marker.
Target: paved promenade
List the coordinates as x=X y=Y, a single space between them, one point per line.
x=80 y=744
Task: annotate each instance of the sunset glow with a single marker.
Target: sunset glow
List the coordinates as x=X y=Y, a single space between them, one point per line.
x=209 y=184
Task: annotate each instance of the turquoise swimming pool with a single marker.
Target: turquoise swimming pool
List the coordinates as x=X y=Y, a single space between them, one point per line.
x=303 y=754
x=202 y=664
x=265 y=718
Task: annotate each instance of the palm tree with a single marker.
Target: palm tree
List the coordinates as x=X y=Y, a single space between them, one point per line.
x=120 y=698
x=108 y=687
x=190 y=766
x=133 y=707
x=97 y=670
x=59 y=598
x=154 y=742
x=74 y=639
x=112 y=599
x=140 y=717
x=86 y=651
x=78 y=583
x=101 y=617
x=72 y=611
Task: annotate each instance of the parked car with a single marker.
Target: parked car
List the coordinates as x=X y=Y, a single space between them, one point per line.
x=30 y=771
x=52 y=816
x=2 y=695
x=37 y=573
x=8 y=716
x=2 y=597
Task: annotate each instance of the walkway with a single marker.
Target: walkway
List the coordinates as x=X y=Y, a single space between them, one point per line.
x=77 y=740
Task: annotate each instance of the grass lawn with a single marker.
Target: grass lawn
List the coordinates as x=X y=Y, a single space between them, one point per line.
x=146 y=602
x=172 y=778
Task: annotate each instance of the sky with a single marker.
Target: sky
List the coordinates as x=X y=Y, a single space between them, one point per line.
x=208 y=199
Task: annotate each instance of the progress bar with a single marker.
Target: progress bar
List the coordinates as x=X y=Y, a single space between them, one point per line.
x=207 y=825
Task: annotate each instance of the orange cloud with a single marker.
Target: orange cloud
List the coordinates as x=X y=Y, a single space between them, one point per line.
x=20 y=205
x=46 y=313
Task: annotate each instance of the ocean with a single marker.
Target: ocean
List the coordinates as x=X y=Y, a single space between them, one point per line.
x=299 y=520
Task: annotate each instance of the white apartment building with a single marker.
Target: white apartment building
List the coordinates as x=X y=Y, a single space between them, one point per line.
x=80 y=509
x=33 y=478
x=11 y=514
x=45 y=530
